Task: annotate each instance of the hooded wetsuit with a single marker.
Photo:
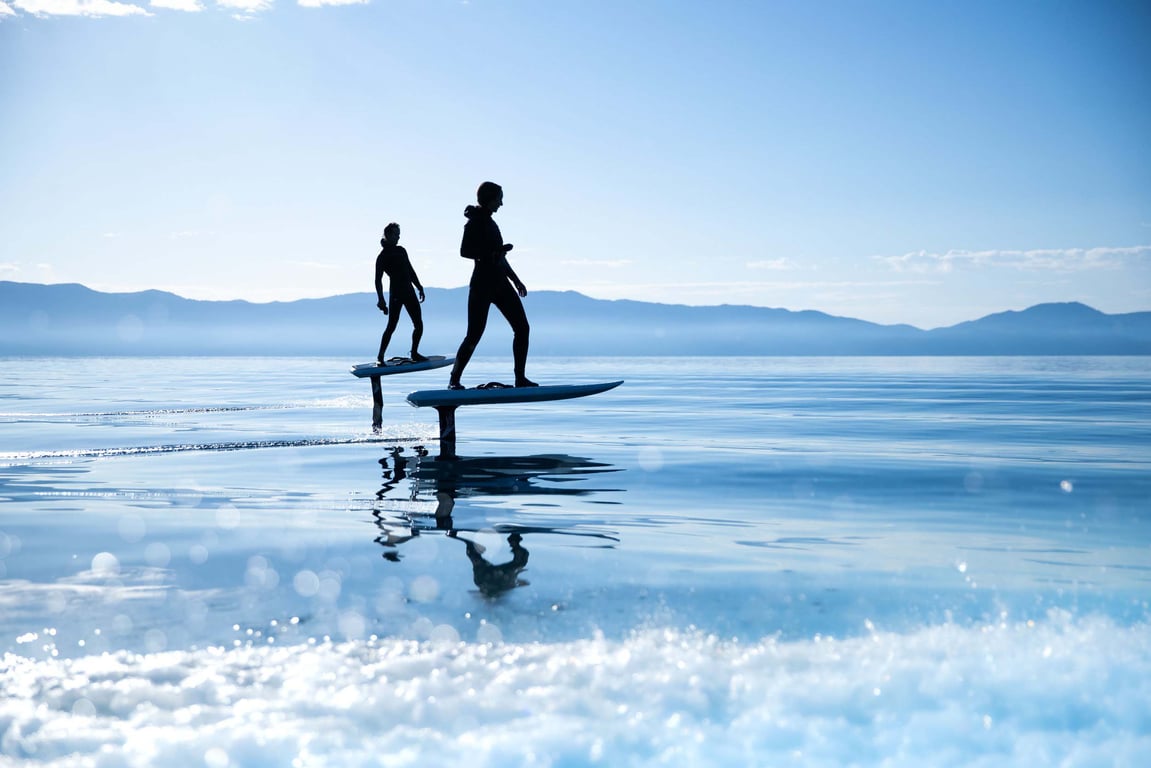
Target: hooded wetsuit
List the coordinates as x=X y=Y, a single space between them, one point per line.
x=491 y=283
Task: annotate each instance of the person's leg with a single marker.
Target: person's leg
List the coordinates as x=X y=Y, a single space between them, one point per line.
x=412 y=304
x=393 y=321
x=509 y=304
x=478 y=304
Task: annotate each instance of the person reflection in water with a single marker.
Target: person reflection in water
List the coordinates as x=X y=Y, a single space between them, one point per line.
x=399 y=472
x=403 y=287
x=494 y=580
x=493 y=282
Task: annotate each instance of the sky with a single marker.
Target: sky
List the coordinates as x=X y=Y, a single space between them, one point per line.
x=899 y=162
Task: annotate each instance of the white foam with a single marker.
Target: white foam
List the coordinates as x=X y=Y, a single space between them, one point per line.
x=1062 y=691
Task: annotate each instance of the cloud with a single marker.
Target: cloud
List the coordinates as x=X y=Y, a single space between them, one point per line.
x=597 y=263
x=781 y=264
x=191 y=6
x=79 y=8
x=31 y=273
x=1050 y=259
x=245 y=9
x=745 y=291
x=241 y=9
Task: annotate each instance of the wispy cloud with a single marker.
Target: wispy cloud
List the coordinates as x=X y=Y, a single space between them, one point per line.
x=747 y=290
x=1050 y=259
x=190 y=6
x=239 y=9
x=597 y=263
x=245 y=9
x=78 y=8
x=782 y=264
x=41 y=273
x=322 y=3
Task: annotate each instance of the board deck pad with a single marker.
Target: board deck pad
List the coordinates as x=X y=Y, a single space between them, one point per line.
x=400 y=365
x=454 y=397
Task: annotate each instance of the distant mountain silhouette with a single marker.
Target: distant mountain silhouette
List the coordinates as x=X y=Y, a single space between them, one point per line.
x=1048 y=329
x=69 y=319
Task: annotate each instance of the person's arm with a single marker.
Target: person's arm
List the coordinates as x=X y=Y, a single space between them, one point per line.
x=380 y=303
x=521 y=289
x=415 y=277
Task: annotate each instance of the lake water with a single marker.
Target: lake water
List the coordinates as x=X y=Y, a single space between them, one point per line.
x=768 y=561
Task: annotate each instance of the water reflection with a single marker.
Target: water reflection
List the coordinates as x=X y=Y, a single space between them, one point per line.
x=419 y=496
x=395 y=466
x=493 y=579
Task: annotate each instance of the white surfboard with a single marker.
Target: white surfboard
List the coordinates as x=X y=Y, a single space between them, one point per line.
x=455 y=397
x=400 y=365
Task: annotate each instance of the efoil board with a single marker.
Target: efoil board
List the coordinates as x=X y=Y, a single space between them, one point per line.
x=364 y=370
x=454 y=397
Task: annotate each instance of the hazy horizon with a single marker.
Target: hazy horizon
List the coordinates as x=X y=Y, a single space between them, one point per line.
x=71 y=319
x=406 y=322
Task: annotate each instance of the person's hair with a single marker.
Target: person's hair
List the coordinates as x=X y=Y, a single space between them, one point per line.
x=391 y=228
x=488 y=191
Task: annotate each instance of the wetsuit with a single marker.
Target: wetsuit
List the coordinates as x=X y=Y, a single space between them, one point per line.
x=393 y=260
x=491 y=283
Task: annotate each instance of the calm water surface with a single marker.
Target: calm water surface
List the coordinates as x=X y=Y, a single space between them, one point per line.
x=723 y=561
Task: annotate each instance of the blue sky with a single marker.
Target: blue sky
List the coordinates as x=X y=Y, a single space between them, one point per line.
x=918 y=162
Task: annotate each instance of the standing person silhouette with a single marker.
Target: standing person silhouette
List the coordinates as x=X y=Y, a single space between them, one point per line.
x=492 y=283
x=393 y=260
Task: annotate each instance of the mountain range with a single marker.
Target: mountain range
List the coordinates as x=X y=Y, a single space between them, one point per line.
x=70 y=319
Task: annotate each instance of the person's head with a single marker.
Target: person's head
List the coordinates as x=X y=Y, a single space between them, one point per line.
x=391 y=234
x=490 y=196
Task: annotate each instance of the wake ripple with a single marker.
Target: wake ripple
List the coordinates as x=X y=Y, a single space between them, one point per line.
x=239 y=445
x=340 y=402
